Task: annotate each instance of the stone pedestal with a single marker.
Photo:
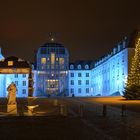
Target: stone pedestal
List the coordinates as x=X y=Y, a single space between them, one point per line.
x=31 y=110
x=12 y=109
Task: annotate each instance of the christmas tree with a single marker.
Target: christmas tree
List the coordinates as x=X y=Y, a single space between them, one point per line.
x=132 y=89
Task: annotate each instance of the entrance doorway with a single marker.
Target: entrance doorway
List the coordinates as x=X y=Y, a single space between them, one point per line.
x=52 y=86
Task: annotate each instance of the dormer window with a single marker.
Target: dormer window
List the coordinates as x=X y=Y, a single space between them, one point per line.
x=71 y=67
x=10 y=63
x=79 y=67
x=86 y=67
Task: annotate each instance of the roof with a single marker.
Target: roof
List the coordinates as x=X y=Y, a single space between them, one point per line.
x=127 y=42
x=17 y=63
x=83 y=63
x=48 y=45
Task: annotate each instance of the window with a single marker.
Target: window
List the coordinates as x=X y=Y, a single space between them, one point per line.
x=79 y=67
x=52 y=50
x=16 y=83
x=61 y=61
x=72 y=82
x=24 y=83
x=43 y=51
x=24 y=75
x=52 y=58
x=71 y=67
x=86 y=66
x=61 y=51
x=10 y=63
x=123 y=58
x=87 y=74
x=87 y=90
x=79 y=90
x=43 y=60
x=79 y=82
x=87 y=82
x=72 y=74
x=72 y=90
x=24 y=91
x=16 y=75
x=79 y=75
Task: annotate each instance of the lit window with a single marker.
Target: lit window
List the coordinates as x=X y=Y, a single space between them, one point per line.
x=61 y=61
x=43 y=60
x=79 y=75
x=10 y=63
x=24 y=83
x=56 y=59
x=52 y=58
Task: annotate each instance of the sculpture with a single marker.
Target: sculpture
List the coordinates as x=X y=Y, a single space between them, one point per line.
x=12 y=93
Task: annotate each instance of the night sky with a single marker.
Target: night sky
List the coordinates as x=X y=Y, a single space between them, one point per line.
x=88 y=28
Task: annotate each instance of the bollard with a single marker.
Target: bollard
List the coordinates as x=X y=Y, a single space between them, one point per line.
x=65 y=111
x=61 y=109
x=55 y=103
x=123 y=110
x=81 y=108
x=104 y=110
x=22 y=111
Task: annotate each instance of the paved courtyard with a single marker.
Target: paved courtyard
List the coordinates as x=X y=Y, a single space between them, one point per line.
x=73 y=119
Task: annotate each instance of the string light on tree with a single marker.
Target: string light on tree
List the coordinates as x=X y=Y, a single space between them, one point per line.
x=132 y=90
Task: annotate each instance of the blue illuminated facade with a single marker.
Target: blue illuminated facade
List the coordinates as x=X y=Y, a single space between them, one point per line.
x=53 y=75
x=80 y=81
x=13 y=69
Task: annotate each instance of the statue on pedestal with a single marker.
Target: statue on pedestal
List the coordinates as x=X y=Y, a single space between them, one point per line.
x=12 y=105
x=12 y=94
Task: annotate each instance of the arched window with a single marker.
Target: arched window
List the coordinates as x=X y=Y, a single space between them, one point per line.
x=71 y=67
x=86 y=67
x=79 y=67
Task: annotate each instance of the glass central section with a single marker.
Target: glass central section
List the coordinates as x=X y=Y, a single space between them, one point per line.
x=52 y=70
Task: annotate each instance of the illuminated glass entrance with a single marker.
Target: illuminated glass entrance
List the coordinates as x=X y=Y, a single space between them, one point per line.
x=52 y=86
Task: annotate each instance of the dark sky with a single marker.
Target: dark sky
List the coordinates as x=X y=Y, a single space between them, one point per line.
x=88 y=28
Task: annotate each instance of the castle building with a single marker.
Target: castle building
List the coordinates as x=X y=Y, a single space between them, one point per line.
x=106 y=76
x=53 y=75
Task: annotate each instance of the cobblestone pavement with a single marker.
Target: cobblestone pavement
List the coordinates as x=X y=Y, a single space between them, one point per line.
x=113 y=125
x=71 y=118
